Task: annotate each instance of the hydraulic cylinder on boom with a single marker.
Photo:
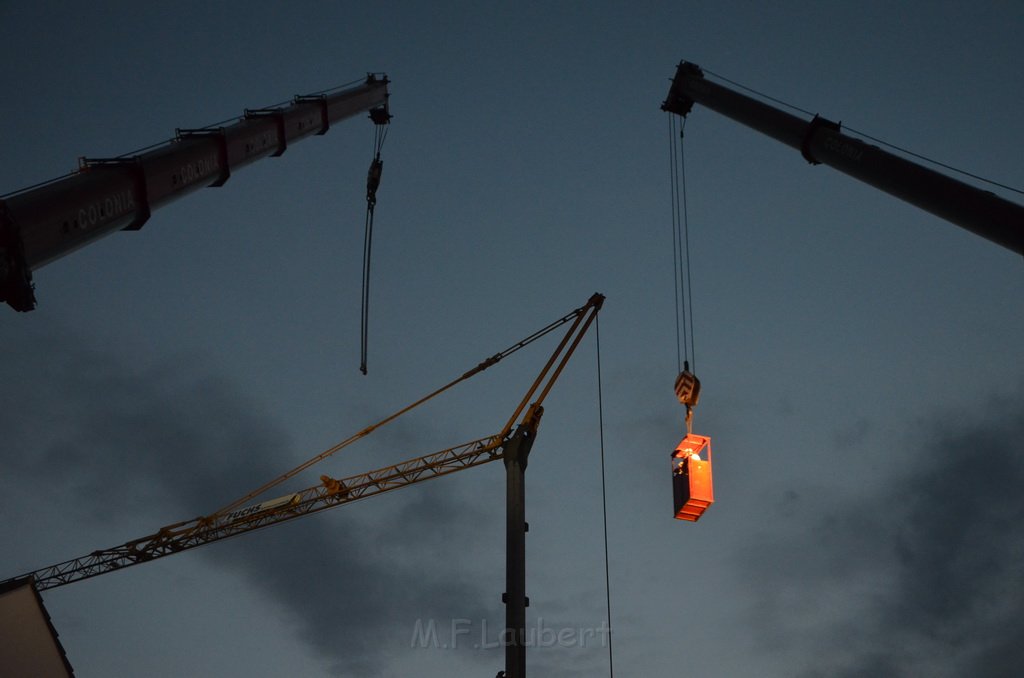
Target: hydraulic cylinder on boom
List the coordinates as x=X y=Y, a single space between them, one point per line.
x=44 y=223
x=821 y=141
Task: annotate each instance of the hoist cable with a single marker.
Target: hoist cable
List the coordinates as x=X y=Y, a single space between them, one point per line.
x=372 y=182
x=576 y=314
x=381 y=133
x=604 y=497
x=365 y=310
x=682 y=283
x=674 y=185
x=686 y=246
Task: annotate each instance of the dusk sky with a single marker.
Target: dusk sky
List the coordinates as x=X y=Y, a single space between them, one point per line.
x=861 y=360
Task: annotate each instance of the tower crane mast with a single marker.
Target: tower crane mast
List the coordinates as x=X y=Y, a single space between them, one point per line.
x=512 y=444
x=46 y=222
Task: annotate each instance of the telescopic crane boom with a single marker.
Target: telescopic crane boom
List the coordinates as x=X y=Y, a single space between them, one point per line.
x=820 y=141
x=44 y=223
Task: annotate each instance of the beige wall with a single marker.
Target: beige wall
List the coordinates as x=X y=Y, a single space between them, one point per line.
x=27 y=643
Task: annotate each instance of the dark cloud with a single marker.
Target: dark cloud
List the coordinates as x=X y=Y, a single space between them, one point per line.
x=920 y=574
x=169 y=442
x=852 y=435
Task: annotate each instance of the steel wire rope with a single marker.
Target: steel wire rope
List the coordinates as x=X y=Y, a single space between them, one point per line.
x=755 y=92
x=379 y=135
x=604 y=496
x=364 y=321
x=885 y=143
x=13 y=193
x=674 y=186
x=682 y=283
x=686 y=246
x=369 y=429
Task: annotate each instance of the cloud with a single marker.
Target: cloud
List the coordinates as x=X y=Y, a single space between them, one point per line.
x=852 y=435
x=922 y=575
x=174 y=440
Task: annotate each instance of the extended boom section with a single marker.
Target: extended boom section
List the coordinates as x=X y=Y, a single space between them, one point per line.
x=42 y=224
x=821 y=141
x=329 y=494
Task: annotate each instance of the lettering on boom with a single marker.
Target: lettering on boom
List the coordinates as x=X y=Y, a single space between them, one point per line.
x=192 y=172
x=843 y=148
x=280 y=502
x=259 y=143
x=104 y=210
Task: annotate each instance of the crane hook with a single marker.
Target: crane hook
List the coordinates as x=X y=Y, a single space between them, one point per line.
x=373 y=180
x=688 y=392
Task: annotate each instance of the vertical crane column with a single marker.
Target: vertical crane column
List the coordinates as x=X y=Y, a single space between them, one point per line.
x=515 y=455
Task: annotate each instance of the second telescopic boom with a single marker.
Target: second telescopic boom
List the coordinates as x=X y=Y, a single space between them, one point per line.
x=820 y=141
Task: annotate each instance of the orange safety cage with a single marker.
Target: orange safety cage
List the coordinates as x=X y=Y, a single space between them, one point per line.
x=692 y=490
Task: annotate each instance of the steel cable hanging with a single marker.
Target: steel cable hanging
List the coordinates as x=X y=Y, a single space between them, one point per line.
x=674 y=186
x=686 y=245
x=682 y=282
x=604 y=496
x=372 y=183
